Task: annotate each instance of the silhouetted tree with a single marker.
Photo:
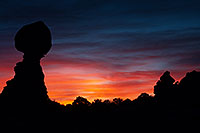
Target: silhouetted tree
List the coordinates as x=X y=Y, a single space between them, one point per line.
x=80 y=101
x=144 y=98
x=80 y=104
x=117 y=101
x=127 y=102
x=97 y=101
x=97 y=105
x=107 y=102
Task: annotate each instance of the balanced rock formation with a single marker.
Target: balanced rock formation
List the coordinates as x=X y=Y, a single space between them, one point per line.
x=27 y=89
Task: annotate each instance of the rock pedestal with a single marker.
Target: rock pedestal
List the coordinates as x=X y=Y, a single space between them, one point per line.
x=27 y=86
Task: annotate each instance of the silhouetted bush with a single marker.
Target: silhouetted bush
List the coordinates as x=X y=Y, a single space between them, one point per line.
x=144 y=99
x=80 y=104
x=117 y=101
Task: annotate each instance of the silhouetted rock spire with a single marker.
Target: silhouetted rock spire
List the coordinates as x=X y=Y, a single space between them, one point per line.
x=28 y=87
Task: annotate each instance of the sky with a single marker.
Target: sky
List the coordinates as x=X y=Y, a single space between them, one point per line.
x=105 y=48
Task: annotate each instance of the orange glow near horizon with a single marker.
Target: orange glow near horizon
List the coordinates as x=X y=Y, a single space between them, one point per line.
x=64 y=84
x=65 y=87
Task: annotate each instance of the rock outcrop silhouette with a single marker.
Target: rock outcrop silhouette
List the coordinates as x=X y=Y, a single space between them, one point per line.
x=165 y=89
x=27 y=90
x=185 y=92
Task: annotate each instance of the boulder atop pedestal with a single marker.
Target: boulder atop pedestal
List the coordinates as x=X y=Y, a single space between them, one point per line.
x=33 y=39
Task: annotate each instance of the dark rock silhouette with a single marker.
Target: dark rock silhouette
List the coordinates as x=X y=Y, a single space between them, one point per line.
x=164 y=89
x=34 y=40
x=167 y=91
x=189 y=86
x=27 y=92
